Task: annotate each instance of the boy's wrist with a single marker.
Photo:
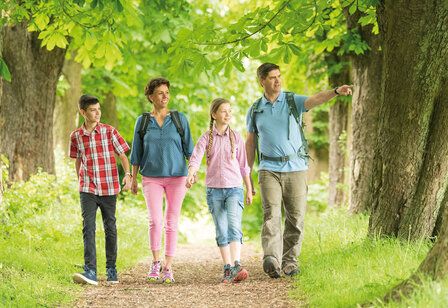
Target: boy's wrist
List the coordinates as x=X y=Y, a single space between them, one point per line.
x=128 y=173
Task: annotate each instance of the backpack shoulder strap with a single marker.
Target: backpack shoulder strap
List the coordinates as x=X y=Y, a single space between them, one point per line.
x=176 y=120
x=297 y=116
x=254 y=110
x=175 y=117
x=292 y=106
x=144 y=124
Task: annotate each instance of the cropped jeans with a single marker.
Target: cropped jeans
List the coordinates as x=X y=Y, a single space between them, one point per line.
x=226 y=206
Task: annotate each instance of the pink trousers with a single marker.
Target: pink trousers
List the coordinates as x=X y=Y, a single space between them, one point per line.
x=174 y=189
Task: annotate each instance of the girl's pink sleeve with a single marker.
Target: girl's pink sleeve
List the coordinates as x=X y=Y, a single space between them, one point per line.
x=198 y=153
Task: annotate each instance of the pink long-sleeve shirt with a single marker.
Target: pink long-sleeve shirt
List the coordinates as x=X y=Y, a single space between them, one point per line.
x=222 y=170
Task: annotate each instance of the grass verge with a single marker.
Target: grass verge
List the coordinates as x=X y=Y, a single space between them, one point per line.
x=343 y=267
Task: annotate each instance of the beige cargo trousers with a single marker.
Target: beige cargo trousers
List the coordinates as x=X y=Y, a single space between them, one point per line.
x=287 y=189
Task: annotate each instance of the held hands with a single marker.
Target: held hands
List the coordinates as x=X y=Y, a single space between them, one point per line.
x=344 y=90
x=191 y=179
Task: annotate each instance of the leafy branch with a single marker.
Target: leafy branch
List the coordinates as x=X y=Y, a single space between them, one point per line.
x=259 y=28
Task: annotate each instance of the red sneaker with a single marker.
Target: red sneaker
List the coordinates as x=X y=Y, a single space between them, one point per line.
x=238 y=273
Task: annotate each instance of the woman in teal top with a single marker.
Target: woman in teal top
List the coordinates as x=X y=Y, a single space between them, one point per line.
x=159 y=153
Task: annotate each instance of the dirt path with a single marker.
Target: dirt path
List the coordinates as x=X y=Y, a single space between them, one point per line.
x=197 y=272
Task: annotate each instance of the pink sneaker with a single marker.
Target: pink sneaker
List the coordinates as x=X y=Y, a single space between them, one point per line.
x=154 y=272
x=167 y=275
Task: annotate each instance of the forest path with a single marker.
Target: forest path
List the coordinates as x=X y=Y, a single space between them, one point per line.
x=198 y=272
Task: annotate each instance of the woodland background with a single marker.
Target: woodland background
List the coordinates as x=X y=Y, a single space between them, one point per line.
x=378 y=181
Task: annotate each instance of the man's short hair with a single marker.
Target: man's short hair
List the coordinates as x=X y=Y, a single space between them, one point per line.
x=86 y=100
x=264 y=69
x=154 y=83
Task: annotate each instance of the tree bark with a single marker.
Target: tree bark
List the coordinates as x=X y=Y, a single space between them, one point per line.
x=412 y=172
x=366 y=73
x=423 y=216
x=65 y=118
x=338 y=120
x=27 y=103
x=2 y=185
x=319 y=154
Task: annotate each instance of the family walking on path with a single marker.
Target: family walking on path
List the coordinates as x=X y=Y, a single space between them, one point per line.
x=161 y=147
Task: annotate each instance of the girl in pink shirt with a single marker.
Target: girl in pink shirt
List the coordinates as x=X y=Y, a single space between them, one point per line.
x=227 y=168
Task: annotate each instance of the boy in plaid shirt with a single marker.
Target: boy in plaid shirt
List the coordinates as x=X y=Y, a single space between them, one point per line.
x=94 y=145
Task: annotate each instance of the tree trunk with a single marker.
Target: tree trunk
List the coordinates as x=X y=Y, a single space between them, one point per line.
x=65 y=118
x=27 y=103
x=441 y=221
x=2 y=185
x=109 y=110
x=423 y=216
x=319 y=154
x=413 y=172
x=338 y=117
x=366 y=72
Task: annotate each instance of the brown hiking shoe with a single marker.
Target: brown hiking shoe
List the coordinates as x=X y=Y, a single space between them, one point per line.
x=291 y=270
x=271 y=267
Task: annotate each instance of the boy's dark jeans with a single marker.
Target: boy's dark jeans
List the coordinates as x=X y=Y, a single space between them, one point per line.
x=107 y=205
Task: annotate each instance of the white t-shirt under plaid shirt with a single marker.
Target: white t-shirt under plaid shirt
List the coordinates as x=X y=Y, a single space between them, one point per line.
x=98 y=172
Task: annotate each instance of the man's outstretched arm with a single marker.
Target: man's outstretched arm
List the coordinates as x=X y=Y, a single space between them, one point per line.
x=325 y=96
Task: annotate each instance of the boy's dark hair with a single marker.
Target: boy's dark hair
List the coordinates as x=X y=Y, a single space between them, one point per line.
x=86 y=100
x=154 y=83
x=264 y=69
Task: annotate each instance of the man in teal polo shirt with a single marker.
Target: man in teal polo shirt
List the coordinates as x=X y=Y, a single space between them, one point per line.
x=282 y=168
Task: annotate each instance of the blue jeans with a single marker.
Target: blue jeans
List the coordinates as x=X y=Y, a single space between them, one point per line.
x=226 y=206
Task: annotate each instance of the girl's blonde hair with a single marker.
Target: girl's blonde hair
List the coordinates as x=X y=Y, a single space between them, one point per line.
x=213 y=109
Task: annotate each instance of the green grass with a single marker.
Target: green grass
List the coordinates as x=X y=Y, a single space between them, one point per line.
x=342 y=267
x=41 y=241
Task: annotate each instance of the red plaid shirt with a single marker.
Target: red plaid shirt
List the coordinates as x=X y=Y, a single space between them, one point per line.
x=98 y=172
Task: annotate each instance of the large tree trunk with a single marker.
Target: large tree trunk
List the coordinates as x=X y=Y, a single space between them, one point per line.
x=2 y=185
x=338 y=117
x=423 y=216
x=65 y=118
x=27 y=103
x=366 y=73
x=413 y=169
x=319 y=155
